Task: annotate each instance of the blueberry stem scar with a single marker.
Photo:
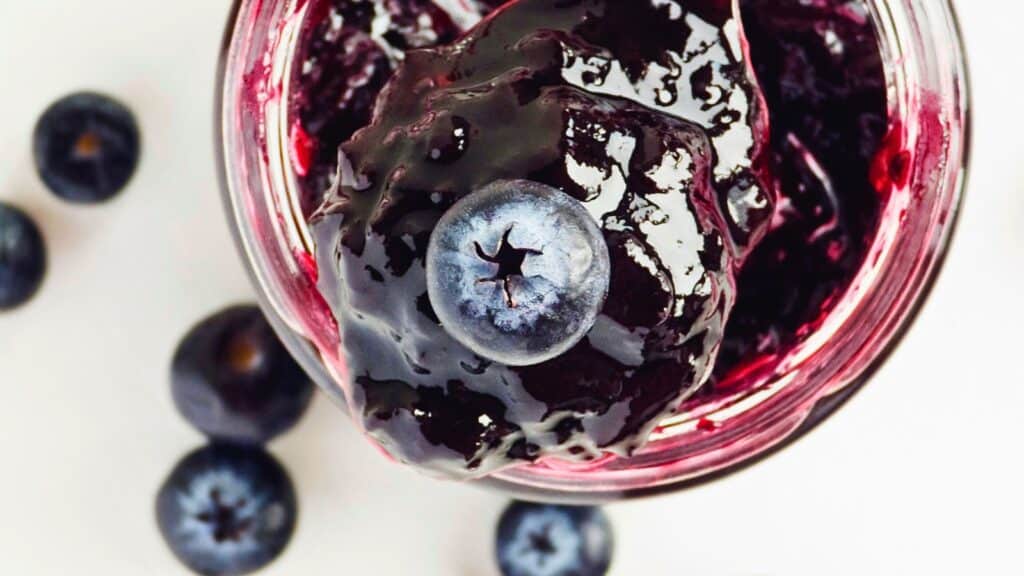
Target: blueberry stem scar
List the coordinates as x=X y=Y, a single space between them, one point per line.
x=224 y=519
x=541 y=541
x=510 y=264
x=87 y=146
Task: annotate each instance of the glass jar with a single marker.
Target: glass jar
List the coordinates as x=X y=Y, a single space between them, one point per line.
x=928 y=113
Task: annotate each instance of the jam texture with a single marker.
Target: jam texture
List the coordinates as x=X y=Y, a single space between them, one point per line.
x=645 y=111
x=821 y=71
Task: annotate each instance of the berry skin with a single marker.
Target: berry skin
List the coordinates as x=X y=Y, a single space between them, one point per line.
x=518 y=272
x=233 y=379
x=227 y=510
x=86 y=147
x=22 y=257
x=548 y=540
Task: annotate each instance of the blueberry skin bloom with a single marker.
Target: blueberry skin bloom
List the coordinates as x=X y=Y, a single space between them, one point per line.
x=227 y=510
x=86 y=147
x=233 y=379
x=22 y=257
x=517 y=272
x=548 y=540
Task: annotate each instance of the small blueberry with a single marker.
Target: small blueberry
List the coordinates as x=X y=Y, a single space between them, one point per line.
x=549 y=540
x=233 y=379
x=517 y=272
x=22 y=257
x=227 y=510
x=86 y=147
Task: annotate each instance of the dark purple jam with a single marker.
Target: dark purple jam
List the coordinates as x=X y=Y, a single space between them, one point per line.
x=821 y=72
x=644 y=112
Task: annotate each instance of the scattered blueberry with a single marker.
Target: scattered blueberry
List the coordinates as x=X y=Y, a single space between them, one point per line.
x=22 y=257
x=549 y=540
x=233 y=379
x=86 y=147
x=518 y=272
x=227 y=510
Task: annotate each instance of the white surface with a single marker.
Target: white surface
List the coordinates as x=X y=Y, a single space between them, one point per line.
x=919 y=474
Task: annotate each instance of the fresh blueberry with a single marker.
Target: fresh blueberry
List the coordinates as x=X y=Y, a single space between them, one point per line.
x=227 y=510
x=22 y=257
x=517 y=272
x=233 y=379
x=548 y=540
x=86 y=147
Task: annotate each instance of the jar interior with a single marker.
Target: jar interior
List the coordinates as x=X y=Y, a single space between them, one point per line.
x=763 y=398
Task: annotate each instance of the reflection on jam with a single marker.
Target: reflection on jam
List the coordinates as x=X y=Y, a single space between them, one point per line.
x=430 y=403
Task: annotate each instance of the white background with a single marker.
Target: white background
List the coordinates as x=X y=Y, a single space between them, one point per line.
x=919 y=474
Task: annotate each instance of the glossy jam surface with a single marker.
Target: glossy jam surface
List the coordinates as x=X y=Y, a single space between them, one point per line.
x=597 y=125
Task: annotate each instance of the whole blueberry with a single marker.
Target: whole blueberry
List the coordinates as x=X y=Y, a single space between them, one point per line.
x=517 y=272
x=22 y=257
x=233 y=379
x=86 y=147
x=227 y=510
x=549 y=540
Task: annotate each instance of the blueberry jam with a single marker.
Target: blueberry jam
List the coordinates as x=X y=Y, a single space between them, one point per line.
x=822 y=74
x=727 y=240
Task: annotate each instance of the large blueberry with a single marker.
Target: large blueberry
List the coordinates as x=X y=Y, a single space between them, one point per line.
x=233 y=379
x=227 y=510
x=517 y=272
x=22 y=257
x=548 y=540
x=86 y=147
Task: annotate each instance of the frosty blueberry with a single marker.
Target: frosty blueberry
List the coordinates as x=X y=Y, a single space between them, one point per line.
x=549 y=540
x=517 y=272
x=227 y=510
